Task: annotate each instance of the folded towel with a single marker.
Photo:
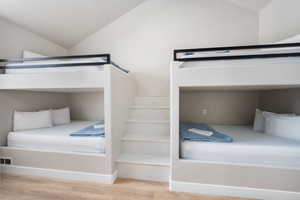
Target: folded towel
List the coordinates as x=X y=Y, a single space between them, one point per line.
x=201 y=132
x=97 y=126
x=186 y=134
x=91 y=131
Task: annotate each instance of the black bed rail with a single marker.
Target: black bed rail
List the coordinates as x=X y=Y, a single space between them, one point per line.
x=106 y=60
x=234 y=57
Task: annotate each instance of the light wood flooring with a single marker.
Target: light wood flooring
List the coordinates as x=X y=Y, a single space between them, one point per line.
x=34 y=188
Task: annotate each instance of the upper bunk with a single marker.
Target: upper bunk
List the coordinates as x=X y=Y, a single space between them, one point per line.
x=237 y=66
x=56 y=73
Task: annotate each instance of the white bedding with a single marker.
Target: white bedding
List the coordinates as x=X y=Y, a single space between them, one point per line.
x=248 y=147
x=57 y=139
x=55 y=69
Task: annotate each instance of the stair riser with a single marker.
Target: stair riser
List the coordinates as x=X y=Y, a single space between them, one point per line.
x=151 y=101
x=148 y=114
x=149 y=128
x=149 y=148
x=143 y=172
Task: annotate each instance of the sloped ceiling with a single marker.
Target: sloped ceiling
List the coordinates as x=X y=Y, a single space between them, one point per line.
x=253 y=5
x=64 y=22
x=67 y=22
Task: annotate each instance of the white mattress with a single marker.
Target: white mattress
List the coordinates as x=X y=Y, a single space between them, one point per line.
x=55 y=69
x=57 y=139
x=248 y=147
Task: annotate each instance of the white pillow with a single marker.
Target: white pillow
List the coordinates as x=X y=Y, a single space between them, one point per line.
x=260 y=118
x=61 y=116
x=32 y=120
x=283 y=126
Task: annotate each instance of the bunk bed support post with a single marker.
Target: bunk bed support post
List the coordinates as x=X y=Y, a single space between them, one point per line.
x=119 y=97
x=174 y=123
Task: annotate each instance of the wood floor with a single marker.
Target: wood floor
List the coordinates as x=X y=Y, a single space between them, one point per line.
x=32 y=188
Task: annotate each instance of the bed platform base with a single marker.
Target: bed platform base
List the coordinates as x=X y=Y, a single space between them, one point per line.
x=232 y=191
x=61 y=174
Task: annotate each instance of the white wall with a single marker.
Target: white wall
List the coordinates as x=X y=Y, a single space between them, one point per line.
x=86 y=106
x=14 y=39
x=143 y=39
x=280 y=101
x=223 y=107
x=279 y=20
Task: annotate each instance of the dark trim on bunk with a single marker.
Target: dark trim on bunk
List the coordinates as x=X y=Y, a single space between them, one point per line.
x=235 y=57
x=54 y=65
x=105 y=57
x=120 y=68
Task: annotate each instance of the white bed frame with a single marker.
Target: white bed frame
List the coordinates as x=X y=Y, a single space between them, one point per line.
x=119 y=90
x=250 y=181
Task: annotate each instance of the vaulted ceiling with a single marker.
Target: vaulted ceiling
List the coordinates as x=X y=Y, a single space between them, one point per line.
x=66 y=22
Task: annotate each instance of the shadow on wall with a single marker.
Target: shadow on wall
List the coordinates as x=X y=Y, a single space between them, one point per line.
x=281 y=101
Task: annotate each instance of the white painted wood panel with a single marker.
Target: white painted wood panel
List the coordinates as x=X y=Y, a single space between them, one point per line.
x=250 y=72
x=53 y=80
x=120 y=97
x=143 y=172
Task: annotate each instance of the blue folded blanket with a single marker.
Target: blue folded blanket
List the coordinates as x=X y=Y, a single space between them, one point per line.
x=185 y=134
x=90 y=131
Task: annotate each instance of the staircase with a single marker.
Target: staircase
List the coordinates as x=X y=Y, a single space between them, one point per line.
x=146 y=143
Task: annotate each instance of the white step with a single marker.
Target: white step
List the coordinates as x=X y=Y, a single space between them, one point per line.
x=140 y=121
x=149 y=114
x=150 y=107
x=144 y=172
x=146 y=144
x=144 y=159
x=146 y=147
x=141 y=137
x=151 y=101
x=144 y=167
x=148 y=127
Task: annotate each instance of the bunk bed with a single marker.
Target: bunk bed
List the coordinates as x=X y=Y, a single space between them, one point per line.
x=52 y=152
x=241 y=164
x=84 y=71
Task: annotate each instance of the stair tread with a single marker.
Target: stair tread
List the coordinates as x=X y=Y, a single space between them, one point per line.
x=154 y=107
x=147 y=137
x=148 y=121
x=144 y=159
x=152 y=97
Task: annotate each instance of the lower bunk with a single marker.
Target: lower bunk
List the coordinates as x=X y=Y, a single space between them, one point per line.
x=248 y=147
x=237 y=141
x=56 y=134
x=71 y=137
x=250 y=164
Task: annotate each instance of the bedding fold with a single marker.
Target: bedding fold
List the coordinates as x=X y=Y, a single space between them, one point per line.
x=94 y=130
x=186 y=134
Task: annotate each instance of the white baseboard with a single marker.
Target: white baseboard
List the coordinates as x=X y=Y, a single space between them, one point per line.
x=233 y=191
x=114 y=177
x=60 y=174
x=144 y=172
